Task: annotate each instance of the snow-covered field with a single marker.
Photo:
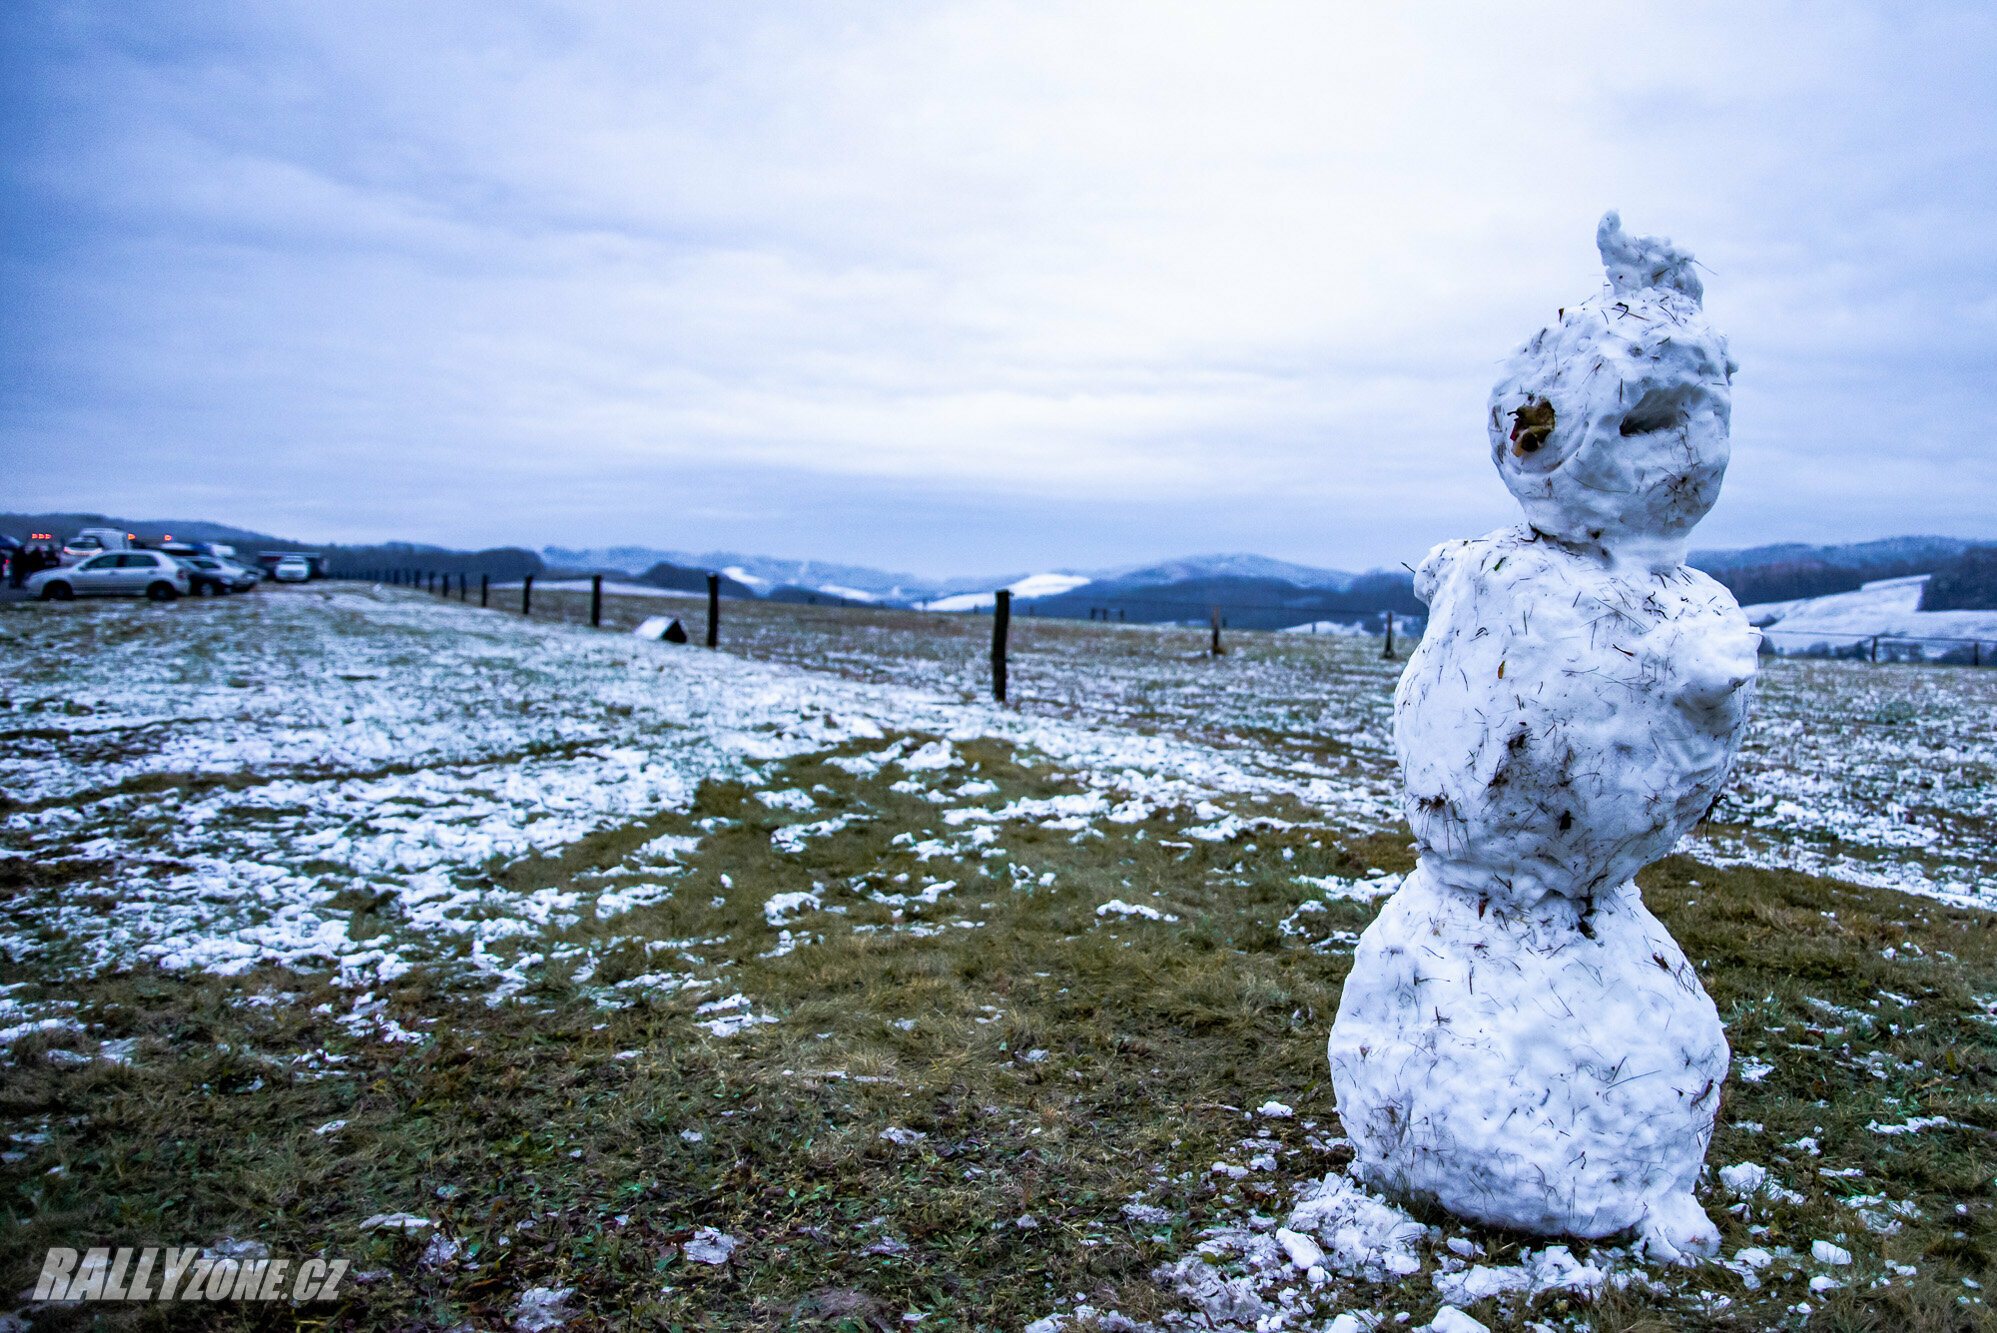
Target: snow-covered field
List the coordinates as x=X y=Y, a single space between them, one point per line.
x=232 y=768
x=234 y=771
x=348 y=781
x=1887 y=608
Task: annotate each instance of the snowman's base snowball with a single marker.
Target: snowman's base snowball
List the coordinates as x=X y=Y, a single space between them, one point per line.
x=1536 y=1070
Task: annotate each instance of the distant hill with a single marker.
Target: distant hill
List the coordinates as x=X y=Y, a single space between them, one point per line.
x=1227 y=566
x=1855 y=555
x=863 y=584
x=858 y=583
x=1966 y=583
x=504 y=564
x=18 y=526
x=341 y=561
x=1255 y=590
x=1793 y=570
x=1244 y=602
x=625 y=559
x=681 y=578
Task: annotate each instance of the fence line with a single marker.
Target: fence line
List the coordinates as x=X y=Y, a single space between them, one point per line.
x=1868 y=645
x=1838 y=641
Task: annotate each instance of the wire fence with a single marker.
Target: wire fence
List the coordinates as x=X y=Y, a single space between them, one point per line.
x=1883 y=647
x=1867 y=647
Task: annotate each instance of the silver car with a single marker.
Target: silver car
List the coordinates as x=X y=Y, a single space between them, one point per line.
x=208 y=576
x=113 y=574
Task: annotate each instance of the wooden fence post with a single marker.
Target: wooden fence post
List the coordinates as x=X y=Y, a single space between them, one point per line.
x=596 y=601
x=714 y=610
x=484 y=588
x=1388 y=655
x=464 y=587
x=526 y=593
x=1001 y=620
x=1875 y=647
x=1215 y=649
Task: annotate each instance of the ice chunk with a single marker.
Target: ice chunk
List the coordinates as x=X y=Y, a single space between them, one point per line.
x=1449 y=1319
x=710 y=1246
x=1118 y=907
x=1362 y=1235
x=1304 y=1252
x=1744 y=1178
x=542 y=1308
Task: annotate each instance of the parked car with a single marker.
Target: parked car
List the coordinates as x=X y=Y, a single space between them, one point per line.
x=292 y=569
x=209 y=577
x=92 y=540
x=113 y=574
x=315 y=562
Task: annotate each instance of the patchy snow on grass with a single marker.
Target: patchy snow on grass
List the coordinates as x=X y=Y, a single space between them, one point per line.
x=1118 y=907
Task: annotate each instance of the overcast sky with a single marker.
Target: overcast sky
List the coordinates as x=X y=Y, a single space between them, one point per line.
x=967 y=286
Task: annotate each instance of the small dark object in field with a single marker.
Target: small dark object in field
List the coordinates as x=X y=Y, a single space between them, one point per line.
x=675 y=633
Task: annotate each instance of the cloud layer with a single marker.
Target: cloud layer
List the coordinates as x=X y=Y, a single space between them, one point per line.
x=967 y=285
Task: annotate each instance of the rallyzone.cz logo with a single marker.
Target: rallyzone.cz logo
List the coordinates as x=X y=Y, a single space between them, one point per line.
x=185 y=1275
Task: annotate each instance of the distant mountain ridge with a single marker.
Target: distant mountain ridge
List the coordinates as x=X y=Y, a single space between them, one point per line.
x=18 y=526
x=381 y=560
x=886 y=585
x=1236 y=566
x=1272 y=589
x=1853 y=555
x=759 y=571
x=1793 y=570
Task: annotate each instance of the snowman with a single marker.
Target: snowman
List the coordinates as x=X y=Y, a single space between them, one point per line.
x=1520 y=1041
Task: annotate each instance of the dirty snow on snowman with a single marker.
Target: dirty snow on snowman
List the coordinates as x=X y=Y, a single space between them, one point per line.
x=1520 y=1041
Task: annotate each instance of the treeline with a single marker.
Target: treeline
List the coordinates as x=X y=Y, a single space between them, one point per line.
x=501 y=564
x=1245 y=603
x=682 y=578
x=1966 y=583
x=1789 y=580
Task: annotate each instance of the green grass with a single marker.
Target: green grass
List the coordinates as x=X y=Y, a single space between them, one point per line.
x=1159 y=1038
x=556 y=1163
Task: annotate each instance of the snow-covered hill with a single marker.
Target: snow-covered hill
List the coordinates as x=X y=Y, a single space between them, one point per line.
x=1033 y=585
x=1889 y=608
x=1236 y=565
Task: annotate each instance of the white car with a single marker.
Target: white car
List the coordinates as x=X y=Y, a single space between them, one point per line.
x=292 y=569
x=113 y=574
x=92 y=540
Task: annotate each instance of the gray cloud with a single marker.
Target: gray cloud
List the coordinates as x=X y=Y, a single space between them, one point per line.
x=972 y=286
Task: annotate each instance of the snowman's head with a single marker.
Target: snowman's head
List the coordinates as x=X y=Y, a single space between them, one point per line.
x=1610 y=426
